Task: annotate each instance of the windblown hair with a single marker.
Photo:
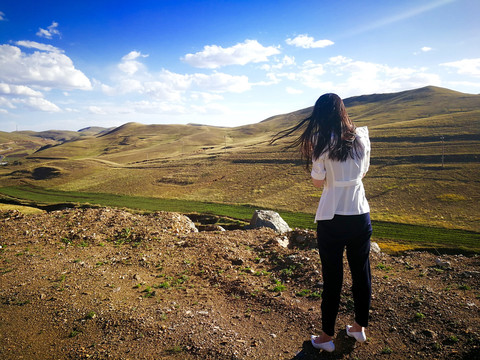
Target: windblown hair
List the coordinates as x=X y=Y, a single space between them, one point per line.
x=328 y=129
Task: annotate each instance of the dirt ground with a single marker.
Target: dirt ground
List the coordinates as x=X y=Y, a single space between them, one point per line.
x=109 y=284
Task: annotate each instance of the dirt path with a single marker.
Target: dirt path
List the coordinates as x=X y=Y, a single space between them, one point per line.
x=108 y=284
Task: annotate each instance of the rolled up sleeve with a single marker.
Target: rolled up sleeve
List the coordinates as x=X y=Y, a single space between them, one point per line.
x=318 y=169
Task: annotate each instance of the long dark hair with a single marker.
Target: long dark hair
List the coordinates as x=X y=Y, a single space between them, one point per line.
x=327 y=129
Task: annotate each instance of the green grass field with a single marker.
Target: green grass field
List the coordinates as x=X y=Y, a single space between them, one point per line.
x=404 y=236
x=422 y=186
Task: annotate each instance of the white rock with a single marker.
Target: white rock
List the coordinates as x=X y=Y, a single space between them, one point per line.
x=375 y=247
x=442 y=263
x=282 y=241
x=270 y=219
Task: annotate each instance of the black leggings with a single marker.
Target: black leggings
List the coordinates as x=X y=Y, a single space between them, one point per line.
x=333 y=236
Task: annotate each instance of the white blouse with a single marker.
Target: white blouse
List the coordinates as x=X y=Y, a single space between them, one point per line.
x=343 y=191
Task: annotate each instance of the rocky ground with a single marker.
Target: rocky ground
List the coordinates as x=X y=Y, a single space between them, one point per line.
x=108 y=284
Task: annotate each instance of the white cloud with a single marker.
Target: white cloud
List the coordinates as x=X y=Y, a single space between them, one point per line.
x=311 y=74
x=339 y=60
x=27 y=97
x=308 y=42
x=130 y=67
x=174 y=80
x=168 y=93
x=169 y=86
x=349 y=77
x=359 y=77
x=6 y=103
x=18 y=90
x=205 y=96
x=279 y=64
x=2 y=16
x=162 y=90
x=51 y=30
x=426 y=49
x=465 y=67
x=129 y=64
x=43 y=69
x=213 y=56
x=40 y=104
x=288 y=60
x=132 y=55
x=220 y=82
x=38 y=46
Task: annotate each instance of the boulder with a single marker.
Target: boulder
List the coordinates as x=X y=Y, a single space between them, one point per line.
x=375 y=248
x=270 y=219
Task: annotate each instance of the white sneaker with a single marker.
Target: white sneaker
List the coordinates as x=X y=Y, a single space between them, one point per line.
x=327 y=346
x=358 y=335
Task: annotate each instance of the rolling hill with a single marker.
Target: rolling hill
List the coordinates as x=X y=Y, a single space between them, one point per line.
x=425 y=160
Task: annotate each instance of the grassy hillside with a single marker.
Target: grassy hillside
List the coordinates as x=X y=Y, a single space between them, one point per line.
x=411 y=133
x=16 y=146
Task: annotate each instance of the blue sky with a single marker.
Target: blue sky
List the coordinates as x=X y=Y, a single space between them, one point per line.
x=68 y=65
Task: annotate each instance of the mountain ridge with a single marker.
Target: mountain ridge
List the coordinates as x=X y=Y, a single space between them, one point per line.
x=425 y=160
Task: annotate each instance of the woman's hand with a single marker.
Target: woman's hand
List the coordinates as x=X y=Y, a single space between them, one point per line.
x=318 y=183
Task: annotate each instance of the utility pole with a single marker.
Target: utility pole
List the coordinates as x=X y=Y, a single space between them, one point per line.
x=443 y=149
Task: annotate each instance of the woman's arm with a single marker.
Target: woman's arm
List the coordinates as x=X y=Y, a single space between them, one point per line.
x=318 y=183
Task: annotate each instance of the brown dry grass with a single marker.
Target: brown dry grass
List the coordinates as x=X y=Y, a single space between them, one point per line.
x=406 y=182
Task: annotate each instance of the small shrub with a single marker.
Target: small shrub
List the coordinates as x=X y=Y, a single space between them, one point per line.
x=387 y=350
x=175 y=350
x=164 y=285
x=74 y=333
x=91 y=315
x=384 y=267
x=419 y=316
x=181 y=279
x=452 y=339
x=304 y=292
x=289 y=272
x=66 y=241
x=315 y=294
x=148 y=292
x=279 y=288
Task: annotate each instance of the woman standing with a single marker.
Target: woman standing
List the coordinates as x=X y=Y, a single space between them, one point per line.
x=340 y=155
